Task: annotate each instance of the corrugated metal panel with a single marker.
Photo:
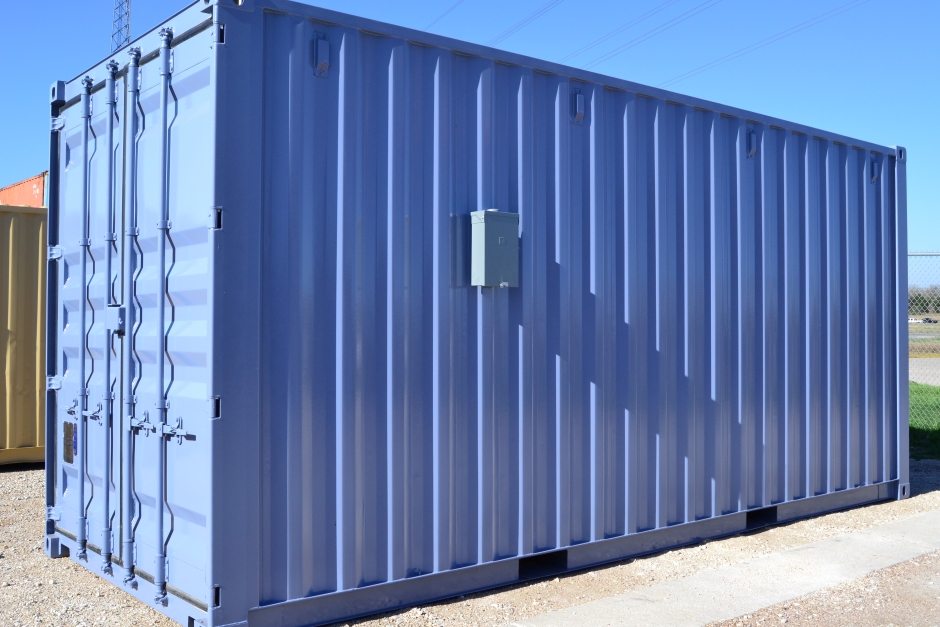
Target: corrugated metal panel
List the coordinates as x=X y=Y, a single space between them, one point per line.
x=646 y=373
x=22 y=337
x=28 y=193
x=707 y=321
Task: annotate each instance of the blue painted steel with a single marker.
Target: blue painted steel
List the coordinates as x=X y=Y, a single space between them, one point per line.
x=323 y=418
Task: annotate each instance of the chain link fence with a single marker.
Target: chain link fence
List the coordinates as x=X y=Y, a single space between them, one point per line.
x=923 y=270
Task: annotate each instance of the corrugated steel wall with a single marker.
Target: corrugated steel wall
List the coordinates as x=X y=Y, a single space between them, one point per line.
x=28 y=193
x=706 y=320
x=22 y=335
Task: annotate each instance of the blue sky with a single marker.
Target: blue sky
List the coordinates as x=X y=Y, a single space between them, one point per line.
x=871 y=72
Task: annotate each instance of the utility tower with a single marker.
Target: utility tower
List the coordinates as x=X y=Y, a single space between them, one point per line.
x=121 y=29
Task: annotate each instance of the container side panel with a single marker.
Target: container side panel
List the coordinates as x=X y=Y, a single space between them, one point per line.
x=298 y=393
x=702 y=324
x=874 y=317
x=889 y=282
x=697 y=366
x=795 y=245
x=855 y=348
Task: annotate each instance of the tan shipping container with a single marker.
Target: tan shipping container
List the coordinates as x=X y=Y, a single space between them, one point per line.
x=28 y=193
x=22 y=337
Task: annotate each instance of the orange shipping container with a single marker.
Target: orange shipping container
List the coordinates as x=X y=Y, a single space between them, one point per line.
x=22 y=336
x=28 y=193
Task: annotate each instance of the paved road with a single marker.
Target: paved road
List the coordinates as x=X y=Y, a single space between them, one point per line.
x=925 y=370
x=717 y=594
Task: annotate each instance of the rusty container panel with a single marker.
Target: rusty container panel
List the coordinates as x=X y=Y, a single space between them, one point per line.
x=22 y=338
x=28 y=193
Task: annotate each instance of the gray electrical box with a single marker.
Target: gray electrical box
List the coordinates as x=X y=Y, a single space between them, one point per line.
x=494 y=248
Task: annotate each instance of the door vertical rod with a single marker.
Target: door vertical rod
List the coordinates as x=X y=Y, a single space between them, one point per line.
x=130 y=320
x=84 y=243
x=159 y=578
x=106 y=417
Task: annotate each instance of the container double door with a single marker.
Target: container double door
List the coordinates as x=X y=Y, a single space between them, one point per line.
x=127 y=441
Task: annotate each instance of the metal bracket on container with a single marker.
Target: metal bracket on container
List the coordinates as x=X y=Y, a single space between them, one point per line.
x=874 y=169
x=176 y=432
x=53 y=513
x=751 y=143
x=114 y=318
x=215 y=407
x=55 y=252
x=215 y=219
x=57 y=124
x=321 y=55
x=54 y=383
x=578 y=107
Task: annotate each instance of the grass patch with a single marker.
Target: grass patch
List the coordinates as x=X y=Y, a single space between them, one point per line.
x=925 y=421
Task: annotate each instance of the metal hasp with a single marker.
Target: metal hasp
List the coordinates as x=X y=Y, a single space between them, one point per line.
x=494 y=248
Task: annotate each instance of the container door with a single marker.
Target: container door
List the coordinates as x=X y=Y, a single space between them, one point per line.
x=91 y=164
x=174 y=504
x=159 y=199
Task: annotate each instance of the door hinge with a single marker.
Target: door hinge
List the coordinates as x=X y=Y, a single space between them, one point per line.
x=54 y=383
x=53 y=513
x=55 y=252
x=57 y=124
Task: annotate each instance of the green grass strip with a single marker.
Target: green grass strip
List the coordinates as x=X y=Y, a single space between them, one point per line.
x=925 y=421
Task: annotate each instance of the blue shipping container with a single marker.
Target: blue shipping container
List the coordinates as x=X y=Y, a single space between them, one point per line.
x=290 y=406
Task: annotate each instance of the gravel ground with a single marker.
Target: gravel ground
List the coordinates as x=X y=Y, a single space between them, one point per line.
x=36 y=590
x=905 y=594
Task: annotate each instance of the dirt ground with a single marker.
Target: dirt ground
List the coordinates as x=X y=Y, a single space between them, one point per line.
x=35 y=590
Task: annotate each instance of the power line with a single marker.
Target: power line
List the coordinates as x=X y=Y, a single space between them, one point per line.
x=444 y=14
x=652 y=33
x=617 y=31
x=512 y=30
x=767 y=41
